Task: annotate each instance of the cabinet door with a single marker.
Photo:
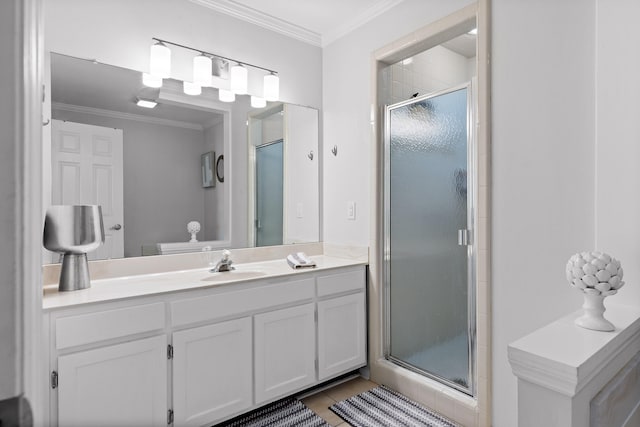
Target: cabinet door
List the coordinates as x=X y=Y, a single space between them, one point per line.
x=341 y=335
x=118 y=385
x=212 y=375
x=284 y=351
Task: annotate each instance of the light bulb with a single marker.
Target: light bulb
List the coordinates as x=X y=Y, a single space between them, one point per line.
x=271 y=87
x=239 y=77
x=160 y=60
x=191 y=88
x=202 y=70
x=226 y=95
x=257 y=102
x=151 y=81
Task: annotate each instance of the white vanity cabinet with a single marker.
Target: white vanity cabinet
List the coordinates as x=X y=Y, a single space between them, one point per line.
x=212 y=372
x=201 y=356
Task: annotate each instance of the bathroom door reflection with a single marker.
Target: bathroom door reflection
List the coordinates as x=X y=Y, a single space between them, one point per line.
x=428 y=269
x=269 y=193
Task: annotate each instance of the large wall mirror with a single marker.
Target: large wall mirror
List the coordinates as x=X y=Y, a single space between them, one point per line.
x=190 y=158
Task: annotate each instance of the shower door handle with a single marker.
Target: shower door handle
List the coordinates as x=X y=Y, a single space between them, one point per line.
x=463 y=237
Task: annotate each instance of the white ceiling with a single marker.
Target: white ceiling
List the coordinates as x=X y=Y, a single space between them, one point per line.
x=318 y=22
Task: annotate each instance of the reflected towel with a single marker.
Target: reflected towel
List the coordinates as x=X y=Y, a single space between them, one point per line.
x=299 y=260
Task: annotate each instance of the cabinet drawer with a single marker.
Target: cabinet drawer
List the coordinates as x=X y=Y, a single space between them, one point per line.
x=226 y=304
x=341 y=282
x=103 y=325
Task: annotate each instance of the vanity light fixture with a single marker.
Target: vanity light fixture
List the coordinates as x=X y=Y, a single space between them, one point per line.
x=202 y=70
x=226 y=95
x=191 y=88
x=146 y=103
x=160 y=60
x=258 y=102
x=238 y=79
x=151 y=81
x=271 y=87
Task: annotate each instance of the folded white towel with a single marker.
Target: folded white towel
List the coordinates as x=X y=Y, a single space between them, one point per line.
x=300 y=260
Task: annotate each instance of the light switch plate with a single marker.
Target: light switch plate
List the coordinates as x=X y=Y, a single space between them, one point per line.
x=351 y=210
x=299 y=210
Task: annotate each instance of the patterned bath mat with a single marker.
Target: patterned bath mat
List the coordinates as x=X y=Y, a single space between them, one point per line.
x=383 y=407
x=283 y=413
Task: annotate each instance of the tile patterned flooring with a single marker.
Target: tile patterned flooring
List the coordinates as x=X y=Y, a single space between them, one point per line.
x=320 y=402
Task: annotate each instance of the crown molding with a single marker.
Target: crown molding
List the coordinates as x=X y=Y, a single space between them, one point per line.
x=124 y=116
x=357 y=21
x=288 y=29
x=261 y=19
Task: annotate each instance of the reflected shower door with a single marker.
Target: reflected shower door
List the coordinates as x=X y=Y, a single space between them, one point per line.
x=269 y=194
x=428 y=227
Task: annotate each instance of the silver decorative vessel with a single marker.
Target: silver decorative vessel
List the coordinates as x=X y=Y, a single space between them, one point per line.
x=73 y=230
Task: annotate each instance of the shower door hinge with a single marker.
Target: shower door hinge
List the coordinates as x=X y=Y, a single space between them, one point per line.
x=463 y=237
x=170 y=416
x=54 y=379
x=169 y=352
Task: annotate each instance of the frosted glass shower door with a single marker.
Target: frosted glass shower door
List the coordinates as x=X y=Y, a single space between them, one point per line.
x=269 y=194
x=427 y=230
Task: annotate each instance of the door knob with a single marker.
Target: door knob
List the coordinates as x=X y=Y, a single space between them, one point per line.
x=116 y=227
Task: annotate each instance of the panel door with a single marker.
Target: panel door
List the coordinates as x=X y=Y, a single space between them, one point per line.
x=118 y=385
x=341 y=335
x=284 y=351
x=87 y=170
x=212 y=372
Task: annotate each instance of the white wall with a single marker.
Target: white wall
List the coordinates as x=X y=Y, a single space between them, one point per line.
x=543 y=102
x=347 y=113
x=618 y=140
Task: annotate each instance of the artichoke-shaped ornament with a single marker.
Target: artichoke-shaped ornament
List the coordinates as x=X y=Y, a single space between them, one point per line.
x=193 y=227
x=597 y=275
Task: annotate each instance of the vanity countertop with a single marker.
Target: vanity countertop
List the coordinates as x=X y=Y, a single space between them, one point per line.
x=104 y=290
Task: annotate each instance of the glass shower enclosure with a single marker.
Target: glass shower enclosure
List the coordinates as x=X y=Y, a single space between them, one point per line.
x=269 y=193
x=428 y=218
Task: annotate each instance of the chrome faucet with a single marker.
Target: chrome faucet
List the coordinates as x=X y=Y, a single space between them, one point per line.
x=224 y=264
